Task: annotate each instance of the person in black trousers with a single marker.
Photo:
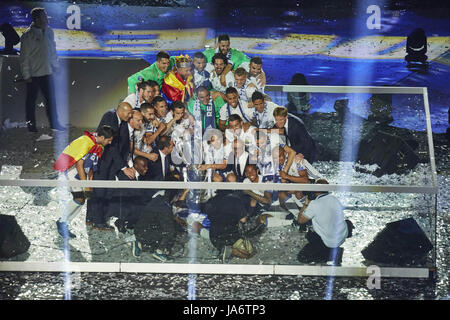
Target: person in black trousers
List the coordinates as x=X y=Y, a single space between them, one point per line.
x=127 y=204
x=114 y=159
x=38 y=61
x=155 y=230
x=229 y=216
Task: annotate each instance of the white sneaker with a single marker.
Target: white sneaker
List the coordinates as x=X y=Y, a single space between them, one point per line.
x=44 y=137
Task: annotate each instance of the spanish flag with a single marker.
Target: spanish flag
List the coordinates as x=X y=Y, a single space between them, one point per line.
x=76 y=150
x=175 y=88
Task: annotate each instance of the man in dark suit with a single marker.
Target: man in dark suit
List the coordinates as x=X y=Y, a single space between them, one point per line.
x=114 y=159
x=158 y=169
x=155 y=229
x=236 y=162
x=225 y=211
x=117 y=160
x=127 y=203
x=294 y=130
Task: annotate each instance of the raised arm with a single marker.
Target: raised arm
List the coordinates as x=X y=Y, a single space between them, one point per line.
x=227 y=69
x=291 y=156
x=301 y=218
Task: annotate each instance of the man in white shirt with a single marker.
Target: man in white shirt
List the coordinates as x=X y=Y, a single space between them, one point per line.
x=214 y=155
x=182 y=135
x=256 y=73
x=262 y=111
x=219 y=80
x=163 y=114
x=151 y=130
x=267 y=157
x=330 y=229
x=38 y=61
x=243 y=85
x=183 y=126
x=200 y=74
x=233 y=106
x=137 y=132
x=300 y=171
x=144 y=94
x=245 y=132
x=260 y=199
x=161 y=110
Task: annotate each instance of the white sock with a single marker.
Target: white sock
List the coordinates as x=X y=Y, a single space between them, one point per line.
x=74 y=213
x=204 y=233
x=130 y=238
x=71 y=210
x=298 y=202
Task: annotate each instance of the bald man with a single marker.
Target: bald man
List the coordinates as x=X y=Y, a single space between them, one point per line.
x=118 y=120
x=114 y=159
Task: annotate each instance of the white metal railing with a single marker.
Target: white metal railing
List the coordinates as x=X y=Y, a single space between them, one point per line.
x=218 y=186
x=195 y=268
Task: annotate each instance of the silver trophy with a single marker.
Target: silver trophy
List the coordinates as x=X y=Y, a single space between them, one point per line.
x=193 y=174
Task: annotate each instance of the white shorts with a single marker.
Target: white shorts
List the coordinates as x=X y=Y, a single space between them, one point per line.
x=69 y=175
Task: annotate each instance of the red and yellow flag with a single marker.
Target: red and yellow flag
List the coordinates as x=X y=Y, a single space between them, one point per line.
x=76 y=150
x=175 y=88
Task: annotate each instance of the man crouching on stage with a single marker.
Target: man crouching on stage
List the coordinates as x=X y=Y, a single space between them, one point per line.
x=78 y=161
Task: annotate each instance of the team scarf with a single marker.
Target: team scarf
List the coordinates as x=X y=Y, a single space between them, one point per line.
x=187 y=88
x=275 y=177
x=76 y=150
x=204 y=117
x=200 y=77
x=261 y=120
x=136 y=104
x=242 y=90
x=265 y=159
x=240 y=109
x=269 y=169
